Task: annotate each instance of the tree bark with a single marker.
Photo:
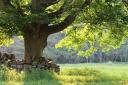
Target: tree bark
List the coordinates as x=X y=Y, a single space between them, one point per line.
x=34 y=46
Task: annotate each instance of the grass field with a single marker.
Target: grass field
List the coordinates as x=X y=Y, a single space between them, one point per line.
x=71 y=74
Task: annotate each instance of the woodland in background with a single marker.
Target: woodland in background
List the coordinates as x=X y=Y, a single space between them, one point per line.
x=61 y=55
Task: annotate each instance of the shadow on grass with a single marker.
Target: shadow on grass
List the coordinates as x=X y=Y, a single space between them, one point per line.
x=86 y=76
x=35 y=77
x=40 y=77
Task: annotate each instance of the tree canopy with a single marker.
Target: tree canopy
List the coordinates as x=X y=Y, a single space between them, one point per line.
x=102 y=23
x=15 y=14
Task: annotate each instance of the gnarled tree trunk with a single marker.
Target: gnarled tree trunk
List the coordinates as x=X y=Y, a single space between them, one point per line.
x=34 y=42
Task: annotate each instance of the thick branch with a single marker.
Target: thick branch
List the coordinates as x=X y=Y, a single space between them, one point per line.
x=125 y=1
x=7 y=3
x=50 y=2
x=68 y=20
x=61 y=26
x=57 y=13
x=37 y=5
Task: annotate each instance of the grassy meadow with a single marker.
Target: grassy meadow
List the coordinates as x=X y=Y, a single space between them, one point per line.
x=71 y=74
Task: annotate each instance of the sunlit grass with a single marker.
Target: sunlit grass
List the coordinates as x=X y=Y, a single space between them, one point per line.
x=87 y=74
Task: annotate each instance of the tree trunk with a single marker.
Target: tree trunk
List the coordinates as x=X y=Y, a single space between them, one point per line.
x=34 y=46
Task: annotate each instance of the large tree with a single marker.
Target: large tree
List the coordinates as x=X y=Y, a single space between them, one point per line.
x=36 y=20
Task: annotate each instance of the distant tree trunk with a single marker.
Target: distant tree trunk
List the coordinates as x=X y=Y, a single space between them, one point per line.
x=115 y=58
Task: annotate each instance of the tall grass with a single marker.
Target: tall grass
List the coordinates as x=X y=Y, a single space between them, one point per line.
x=89 y=74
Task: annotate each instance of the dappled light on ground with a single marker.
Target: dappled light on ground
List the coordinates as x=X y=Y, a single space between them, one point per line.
x=100 y=75
x=35 y=77
x=13 y=83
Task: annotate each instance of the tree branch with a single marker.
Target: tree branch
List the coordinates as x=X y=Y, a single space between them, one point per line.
x=68 y=20
x=61 y=26
x=125 y=1
x=37 y=5
x=7 y=3
x=57 y=13
x=49 y=3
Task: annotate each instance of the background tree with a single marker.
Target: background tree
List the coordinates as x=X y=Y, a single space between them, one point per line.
x=35 y=20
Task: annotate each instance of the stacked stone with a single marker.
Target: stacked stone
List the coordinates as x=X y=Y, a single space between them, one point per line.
x=44 y=63
x=6 y=58
x=47 y=64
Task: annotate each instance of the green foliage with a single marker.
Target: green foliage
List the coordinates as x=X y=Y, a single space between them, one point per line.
x=104 y=26
x=5 y=40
